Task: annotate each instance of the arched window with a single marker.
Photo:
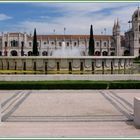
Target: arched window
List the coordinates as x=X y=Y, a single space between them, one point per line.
x=105 y=53
x=68 y=43
x=14 y=43
x=126 y=53
x=105 y=44
x=97 y=44
x=44 y=53
x=5 y=43
x=97 y=53
x=22 y=44
x=14 y=53
x=30 y=53
x=60 y=44
x=30 y=44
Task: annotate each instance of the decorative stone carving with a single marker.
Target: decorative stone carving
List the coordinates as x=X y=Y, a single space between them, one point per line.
x=39 y=63
x=87 y=63
x=76 y=63
x=127 y=62
x=11 y=64
x=64 y=64
x=29 y=65
x=108 y=63
x=116 y=62
x=98 y=63
x=19 y=63
x=51 y=64
x=122 y=62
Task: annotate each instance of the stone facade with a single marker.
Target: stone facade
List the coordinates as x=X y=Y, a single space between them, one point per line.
x=20 y=44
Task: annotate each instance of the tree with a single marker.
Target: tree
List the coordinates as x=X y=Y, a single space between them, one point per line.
x=91 y=43
x=35 y=47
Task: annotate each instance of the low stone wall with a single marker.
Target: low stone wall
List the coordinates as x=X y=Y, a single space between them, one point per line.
x=137 y=112
x=98 y=77
x=65 y=63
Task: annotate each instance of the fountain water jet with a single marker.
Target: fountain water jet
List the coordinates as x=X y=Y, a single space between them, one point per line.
x=67 y=51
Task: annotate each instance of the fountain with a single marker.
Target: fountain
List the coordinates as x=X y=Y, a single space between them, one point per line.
x=67 y=59
x=67 y=51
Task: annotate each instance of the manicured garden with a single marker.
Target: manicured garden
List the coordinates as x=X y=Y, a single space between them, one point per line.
x=69 y=85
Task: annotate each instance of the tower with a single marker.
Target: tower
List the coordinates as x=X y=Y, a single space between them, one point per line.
x=117 y=37
x=135 y=39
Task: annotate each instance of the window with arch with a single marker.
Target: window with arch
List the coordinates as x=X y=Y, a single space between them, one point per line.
x=68 y=43
x=105 y=44
x=5 y=43
x=14 y=43
x=75 y=43
x=104 y=53
x=97 y=44
x=30 y=44
x=14 y=53
x=60 y=44
x=37 y=43
x=52 y=43
x=45 y=53
x=22 y=43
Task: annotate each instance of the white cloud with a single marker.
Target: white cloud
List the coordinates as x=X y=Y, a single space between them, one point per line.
x=77 y=17
x=4 y=17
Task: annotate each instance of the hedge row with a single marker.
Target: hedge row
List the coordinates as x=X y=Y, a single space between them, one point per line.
x=71 y=85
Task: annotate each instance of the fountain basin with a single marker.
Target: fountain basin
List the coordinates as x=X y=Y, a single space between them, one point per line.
x=81 y=63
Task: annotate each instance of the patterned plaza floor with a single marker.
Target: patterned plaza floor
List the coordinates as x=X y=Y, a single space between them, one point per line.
x=68 y=106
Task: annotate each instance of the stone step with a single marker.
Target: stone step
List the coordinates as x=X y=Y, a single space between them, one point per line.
x=66 y=118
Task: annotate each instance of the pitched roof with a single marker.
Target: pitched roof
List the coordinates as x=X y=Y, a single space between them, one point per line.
x=61 y=37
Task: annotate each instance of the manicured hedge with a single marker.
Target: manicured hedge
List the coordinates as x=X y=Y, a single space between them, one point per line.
x=124 y=85
x=70 y=85
x=54 y=85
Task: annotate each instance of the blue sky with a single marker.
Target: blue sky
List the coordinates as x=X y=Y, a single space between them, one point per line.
x=75 y=17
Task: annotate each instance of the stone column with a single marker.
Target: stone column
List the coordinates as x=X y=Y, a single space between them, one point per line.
x=119 y=64
x=102 y=66
x=93 y=67
x=124 y=65
x=112 y=67
x=46 y=67
x=70 y=67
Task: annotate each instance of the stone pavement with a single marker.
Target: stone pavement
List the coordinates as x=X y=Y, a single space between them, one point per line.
x=68 y=113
